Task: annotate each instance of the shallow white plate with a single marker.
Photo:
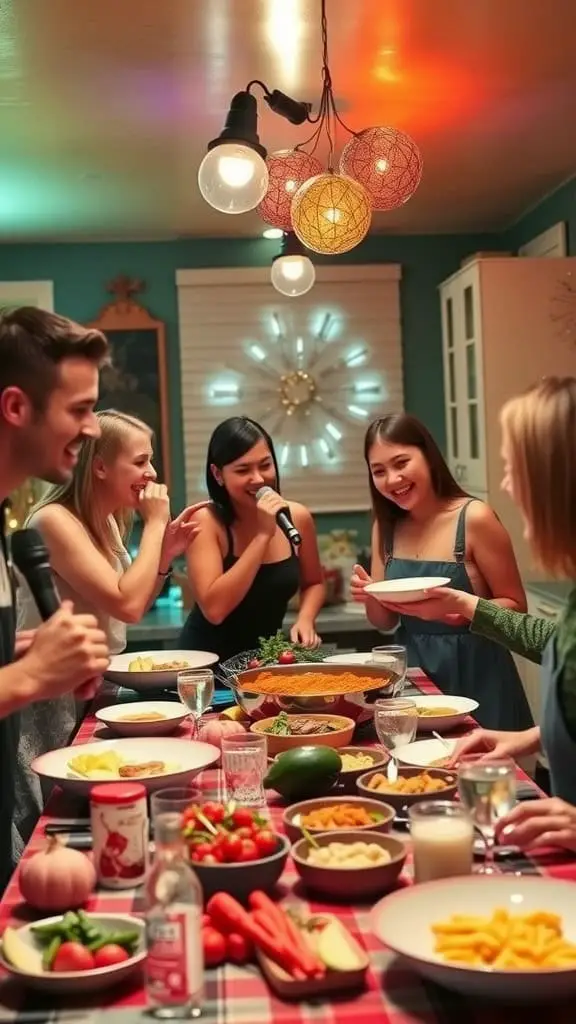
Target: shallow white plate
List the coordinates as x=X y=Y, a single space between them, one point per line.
x=404 y=591
x=350 y=659
x=69 y=982
x=118 y=670
x=463 y=706
x=424 y=752
x=187 y=758
x=173 y=714
x=403 y=921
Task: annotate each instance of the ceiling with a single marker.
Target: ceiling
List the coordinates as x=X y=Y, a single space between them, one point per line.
x=106 y=105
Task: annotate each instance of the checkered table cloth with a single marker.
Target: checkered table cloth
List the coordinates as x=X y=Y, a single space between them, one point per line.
x=234 y=995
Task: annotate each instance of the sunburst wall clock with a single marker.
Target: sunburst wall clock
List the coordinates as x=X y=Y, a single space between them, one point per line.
x=308 y=391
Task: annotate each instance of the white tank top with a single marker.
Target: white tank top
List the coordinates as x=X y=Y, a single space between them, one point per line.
x=28 y=617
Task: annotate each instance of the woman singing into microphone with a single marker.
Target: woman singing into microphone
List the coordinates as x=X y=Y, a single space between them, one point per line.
x=242 y=568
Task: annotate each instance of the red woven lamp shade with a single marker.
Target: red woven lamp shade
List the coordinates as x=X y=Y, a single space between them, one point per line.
x=331 y=213
x=386 y=162
x=288 y=169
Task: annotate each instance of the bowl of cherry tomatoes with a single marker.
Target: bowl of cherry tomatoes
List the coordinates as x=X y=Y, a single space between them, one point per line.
x=233 y=849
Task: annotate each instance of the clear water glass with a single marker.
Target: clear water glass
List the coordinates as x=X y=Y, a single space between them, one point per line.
x=488 y=790
x=244 y=763
x=396 y=721
x=171 y=802
x=393 y=658
x=196 y=691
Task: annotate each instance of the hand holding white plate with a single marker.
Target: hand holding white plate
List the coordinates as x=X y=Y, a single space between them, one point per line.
x=405 y=591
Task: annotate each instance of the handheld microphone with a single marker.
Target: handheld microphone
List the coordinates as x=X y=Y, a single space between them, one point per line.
x=283 y=519
x=30 y=556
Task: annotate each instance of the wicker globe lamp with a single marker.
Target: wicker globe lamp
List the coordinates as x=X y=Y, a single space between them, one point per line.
x=331 y=213
x=288 y=169
x=387 y=162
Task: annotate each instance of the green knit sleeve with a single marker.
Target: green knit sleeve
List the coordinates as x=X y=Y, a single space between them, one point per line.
x=566 y=654
x=521 y=633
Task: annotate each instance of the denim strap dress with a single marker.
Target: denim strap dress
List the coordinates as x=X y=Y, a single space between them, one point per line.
x=456 y=660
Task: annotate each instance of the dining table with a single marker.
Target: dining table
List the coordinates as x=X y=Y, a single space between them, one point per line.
x=394 y=993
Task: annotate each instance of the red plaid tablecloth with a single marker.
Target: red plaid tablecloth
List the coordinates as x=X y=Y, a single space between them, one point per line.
x=394 y=994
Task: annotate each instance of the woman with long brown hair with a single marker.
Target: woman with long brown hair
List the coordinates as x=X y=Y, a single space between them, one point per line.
x=426 y=525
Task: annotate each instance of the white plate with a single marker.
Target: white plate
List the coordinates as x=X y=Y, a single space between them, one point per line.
x=404 y=591
x=403 y=922
x=174 y=714
x=463 y=706
x=350 y=659
x=118 y=670
x=189 y=757
x=69 y=982
x=424 y=752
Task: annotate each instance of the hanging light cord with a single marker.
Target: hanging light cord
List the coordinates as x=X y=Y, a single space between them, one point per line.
x=327 y=118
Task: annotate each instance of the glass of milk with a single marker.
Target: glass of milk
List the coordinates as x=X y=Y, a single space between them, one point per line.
x=442 y=834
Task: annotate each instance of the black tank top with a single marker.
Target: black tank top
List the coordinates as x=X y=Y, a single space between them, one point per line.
x=260 y=613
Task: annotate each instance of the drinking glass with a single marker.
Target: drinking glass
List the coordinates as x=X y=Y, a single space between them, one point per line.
x=167 y=805
x=442 y=834
x=244 y=762
x=488 y=790
x=392 y=657
x=396 y=721
x=196 y=690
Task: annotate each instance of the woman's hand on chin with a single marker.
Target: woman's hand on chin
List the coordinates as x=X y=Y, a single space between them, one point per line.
x=303 y=632
x=538 y=823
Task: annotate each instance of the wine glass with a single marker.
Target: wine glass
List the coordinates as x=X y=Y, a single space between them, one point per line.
x=196 y=690
x=396 y=721
x=488 y=790
x=393 y=658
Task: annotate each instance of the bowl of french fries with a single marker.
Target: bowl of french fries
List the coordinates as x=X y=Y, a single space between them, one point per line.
x=509 y=938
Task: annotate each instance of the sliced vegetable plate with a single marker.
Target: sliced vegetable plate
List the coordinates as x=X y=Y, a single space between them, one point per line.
x=37 y=954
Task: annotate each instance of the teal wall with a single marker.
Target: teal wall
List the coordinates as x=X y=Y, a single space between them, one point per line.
x=80 y=273
x=559 y=206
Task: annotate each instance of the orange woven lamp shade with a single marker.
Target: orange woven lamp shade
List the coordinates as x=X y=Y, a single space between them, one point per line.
x=288 y=169
x=331 y=213
x=387 y=162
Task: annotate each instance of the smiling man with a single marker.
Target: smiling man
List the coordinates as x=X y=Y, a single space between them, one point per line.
x=48 y=388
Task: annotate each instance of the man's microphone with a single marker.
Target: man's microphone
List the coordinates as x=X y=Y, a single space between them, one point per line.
x=283 y=519
x=30 y=556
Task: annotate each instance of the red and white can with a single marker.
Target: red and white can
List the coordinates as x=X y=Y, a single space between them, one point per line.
x=119 y=818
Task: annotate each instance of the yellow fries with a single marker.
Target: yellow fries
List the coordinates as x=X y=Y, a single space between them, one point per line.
x=517 y=942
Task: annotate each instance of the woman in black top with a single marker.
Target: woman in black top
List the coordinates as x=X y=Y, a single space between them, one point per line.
x=242 y=568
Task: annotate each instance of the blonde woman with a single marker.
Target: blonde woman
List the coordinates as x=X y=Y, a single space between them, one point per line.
x=85 y=524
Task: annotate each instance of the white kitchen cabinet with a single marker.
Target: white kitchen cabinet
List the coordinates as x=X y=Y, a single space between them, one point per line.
x=498 y=337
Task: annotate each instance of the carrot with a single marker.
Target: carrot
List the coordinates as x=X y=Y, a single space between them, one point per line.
x=258 y=900
x=268 y=911
x=268 y=926
x=228 y=915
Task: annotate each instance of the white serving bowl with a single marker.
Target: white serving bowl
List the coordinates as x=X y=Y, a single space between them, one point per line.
x=72 y=982
x=403 y=922
x=404 y=591
x=423 y=753
x=118 y=671
x=463 y=706
x=173 y=713
x=189 y=757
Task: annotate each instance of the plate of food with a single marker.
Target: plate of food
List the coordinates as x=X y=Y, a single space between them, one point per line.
x=286 y=731
x=443 y=711
x=74 y=952
x=503 y=937
x=426 y=753
x=407 y=590
x=155 y=762
x=154 y=670
x=144 y=717
x=411 y=786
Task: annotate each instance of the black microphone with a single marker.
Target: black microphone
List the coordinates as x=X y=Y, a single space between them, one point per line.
x=283 y=519
x=30 y=556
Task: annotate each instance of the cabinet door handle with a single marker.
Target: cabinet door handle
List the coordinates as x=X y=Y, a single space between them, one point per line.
x=545 y=609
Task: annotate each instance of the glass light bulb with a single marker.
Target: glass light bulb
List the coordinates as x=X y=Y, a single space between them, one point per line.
x=233 y=178
x=293 y=275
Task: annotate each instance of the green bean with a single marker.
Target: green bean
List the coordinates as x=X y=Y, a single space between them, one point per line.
x=126 y=939
x=50 y=952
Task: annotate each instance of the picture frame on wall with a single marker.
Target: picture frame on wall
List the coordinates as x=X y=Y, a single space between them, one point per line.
x=27 y=293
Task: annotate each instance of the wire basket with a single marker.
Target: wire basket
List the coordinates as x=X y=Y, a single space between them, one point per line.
x=227 y=671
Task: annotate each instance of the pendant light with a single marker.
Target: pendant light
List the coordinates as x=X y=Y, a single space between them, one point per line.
x=233 y=176
x=292 y=272
x=288 y=169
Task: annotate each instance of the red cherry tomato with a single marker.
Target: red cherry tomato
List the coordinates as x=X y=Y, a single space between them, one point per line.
x=287 y=658
x=214 y=812
x=214 y=945
x=109 y=955
x=232 y=847
x=253 y=663
x=249 y=851
x=266 y=842
x=244 y=833
x=240 y=951
x=209 y=859
x=242 y=818
x=202 y=850
x=73 y=956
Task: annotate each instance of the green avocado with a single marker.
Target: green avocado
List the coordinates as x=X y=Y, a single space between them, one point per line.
x=304 y=772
